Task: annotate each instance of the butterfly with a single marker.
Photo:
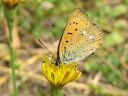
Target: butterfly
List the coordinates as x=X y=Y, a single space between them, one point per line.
x=80 y=39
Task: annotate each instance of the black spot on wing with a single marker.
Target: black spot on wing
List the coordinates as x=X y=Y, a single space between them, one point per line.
x=93 y=48
x=93 y=53
x=66 y=41
x=69 y=33
x=100 y=44
x=76 y=29
x=75 y=23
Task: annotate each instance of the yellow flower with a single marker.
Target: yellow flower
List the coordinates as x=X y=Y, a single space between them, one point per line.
x=11 y=3
x=60 y=75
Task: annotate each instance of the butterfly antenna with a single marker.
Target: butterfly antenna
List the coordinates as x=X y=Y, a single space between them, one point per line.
x=45 y=46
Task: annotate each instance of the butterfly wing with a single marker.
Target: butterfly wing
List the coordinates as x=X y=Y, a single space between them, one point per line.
x=80 y=38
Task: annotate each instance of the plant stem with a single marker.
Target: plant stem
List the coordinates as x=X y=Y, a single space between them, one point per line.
x=56 y=91
x=9 y=14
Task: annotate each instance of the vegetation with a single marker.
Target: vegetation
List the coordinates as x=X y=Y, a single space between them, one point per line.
x=103 y=74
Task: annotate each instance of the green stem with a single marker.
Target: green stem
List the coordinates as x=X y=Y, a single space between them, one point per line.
x=9 y=14
x=56 y=91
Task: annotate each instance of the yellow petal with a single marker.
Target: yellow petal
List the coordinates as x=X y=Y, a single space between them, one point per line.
x=60 y=75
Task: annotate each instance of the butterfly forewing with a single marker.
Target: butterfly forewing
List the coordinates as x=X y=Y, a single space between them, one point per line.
x=80 y=38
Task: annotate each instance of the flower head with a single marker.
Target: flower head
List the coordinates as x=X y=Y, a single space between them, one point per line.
x=60 y=75
x=11 y=3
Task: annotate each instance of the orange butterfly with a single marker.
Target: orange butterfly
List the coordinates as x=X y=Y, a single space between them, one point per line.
x=80 y=39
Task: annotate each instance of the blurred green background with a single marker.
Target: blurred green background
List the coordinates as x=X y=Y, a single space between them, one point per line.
x=103 y=74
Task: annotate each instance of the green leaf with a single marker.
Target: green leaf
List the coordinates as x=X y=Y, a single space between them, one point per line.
x=114 y=38
x=113 y=78
x=90 y=66
x=120 y=24
x=59 y=27
x=113 y=59
x=119 y=10
x=105 y=69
